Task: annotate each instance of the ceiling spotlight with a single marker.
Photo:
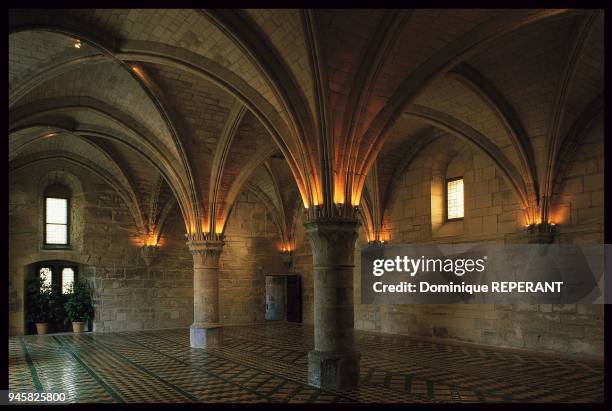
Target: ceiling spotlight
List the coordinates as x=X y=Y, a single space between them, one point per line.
x=77 y=44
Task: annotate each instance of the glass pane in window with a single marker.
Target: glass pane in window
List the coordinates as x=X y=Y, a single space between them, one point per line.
x=67 y=279
x=454 y=196
x=57 y=210
x=45 y=274
x=57 y=234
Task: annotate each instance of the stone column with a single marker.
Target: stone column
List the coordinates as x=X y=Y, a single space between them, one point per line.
x=206 y=330
x=334 y=362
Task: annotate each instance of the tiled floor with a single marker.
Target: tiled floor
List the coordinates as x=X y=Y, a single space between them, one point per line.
x=268 y=363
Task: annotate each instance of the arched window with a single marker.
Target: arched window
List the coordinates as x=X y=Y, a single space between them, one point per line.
x=57 y=216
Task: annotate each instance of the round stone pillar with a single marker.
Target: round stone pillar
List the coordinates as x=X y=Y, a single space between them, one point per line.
x=334 y=362
x=206 y=330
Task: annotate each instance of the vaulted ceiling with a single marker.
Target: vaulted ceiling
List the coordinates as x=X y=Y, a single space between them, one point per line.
x=296 y=105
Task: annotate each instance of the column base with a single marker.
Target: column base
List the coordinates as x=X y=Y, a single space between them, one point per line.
x=333 y=370
x=205 y=335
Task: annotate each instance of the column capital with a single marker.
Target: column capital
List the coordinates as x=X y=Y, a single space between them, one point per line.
x=332 y=212
x=206 y=253
x=205 y=246
x=332 y=240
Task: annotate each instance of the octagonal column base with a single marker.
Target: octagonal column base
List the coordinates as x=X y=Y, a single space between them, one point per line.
x=333 y=370
x=205 y=335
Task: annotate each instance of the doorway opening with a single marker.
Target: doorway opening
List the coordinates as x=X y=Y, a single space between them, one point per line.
x=283 y=298
x=59 y=275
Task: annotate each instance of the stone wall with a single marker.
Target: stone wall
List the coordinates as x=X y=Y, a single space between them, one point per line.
x=302 y=266
x=251 y=251
x=128 y=294
x=105 y=242
x=492 y=213
x=578 y=201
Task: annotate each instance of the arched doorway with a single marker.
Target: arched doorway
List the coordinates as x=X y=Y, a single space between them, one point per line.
x=59 y=274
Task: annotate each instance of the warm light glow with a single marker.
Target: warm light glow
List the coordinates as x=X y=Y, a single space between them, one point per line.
x=151 y=240
x=355 y=197
x=303 y=195
x=77 y=44
x=560 y=215
x=384 y=236
x=219 y=227
x=285 y=247
x=454 y=199
x=317 y=196
x=205 y=226
x=338 y=192
x=138 y=72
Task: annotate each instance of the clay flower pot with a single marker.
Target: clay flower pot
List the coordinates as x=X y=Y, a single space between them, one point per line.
x=42 y=328
x=77 y=327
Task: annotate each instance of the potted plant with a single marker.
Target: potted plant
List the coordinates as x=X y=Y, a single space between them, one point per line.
x=42 y=308
x=78 y=305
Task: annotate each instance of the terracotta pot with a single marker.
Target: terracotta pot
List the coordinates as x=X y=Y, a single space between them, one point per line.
x=77 y=327
x=42 y=328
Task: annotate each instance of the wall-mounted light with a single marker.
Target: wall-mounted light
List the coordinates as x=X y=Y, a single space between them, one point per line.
x=379 y=243
x=286 y=257
x=542 y=232
x=77 y=44
x=148 y=254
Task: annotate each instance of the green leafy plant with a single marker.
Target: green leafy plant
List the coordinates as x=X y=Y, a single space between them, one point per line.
x=79 y=304
x=42 y=302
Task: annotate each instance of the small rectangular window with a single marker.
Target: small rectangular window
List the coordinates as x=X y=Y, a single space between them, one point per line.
x=45 y=274
x=454 y=199
x=56 y=220
x=67 y=280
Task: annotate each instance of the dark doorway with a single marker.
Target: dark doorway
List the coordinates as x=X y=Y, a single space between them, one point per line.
x=276 y=296
x=294 y=299
x=60 y=275
x=283 y=298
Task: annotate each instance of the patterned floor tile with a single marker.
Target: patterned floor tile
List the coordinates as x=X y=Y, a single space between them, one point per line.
x=268 y=363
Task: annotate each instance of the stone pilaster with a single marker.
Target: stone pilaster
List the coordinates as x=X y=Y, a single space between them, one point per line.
x=206 y=330
x=287 y=259
x=334 y=362
x=148 y=253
